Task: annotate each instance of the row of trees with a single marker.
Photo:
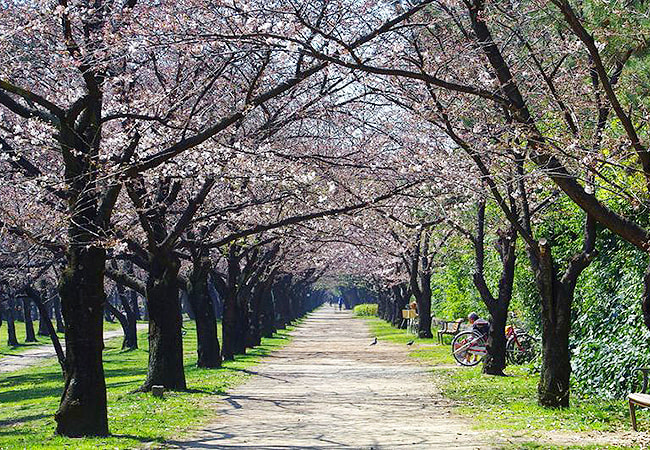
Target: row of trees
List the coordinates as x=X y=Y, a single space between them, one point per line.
x=527 y=90
x=254 y=147
x=26 y=310
x=177 y=138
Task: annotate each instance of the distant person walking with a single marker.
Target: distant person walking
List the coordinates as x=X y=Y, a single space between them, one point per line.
x=340 y=303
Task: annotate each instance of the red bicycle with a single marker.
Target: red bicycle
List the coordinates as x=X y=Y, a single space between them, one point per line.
x=469 y=347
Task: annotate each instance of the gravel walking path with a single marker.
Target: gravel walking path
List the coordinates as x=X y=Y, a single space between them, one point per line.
x=42 y=353
x=330 y=389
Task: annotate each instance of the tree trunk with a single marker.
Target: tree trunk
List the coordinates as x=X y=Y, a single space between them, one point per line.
x=133 y=295
x=231 y=314
x=108 y=317
x=82 y=411
x=557 y=298
x=29 y=324
x=60 y=327
x=44 y=317
x=209 y=354
x=11 y=325
x=229 y=324
x=186 y=306
x=281 y=305
x=165 y=324
x=241 y=326
x=39 y=301
x=424 y=308
x=215 y=297
x=126 y=319
x=131 y=330
x=253 y=334
x=267 y=319
x=401 y=296
x=495 y=359
x=124 y=322
x=553 y=389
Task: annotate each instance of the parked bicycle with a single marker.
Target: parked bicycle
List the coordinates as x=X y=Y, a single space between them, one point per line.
x=469 y=346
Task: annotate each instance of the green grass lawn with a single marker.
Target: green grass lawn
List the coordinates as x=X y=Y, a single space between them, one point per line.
x=42 y=340
x=30 y=397
x=510 y=403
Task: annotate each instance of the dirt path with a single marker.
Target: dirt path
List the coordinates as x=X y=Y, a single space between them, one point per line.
x=41 y=353
x=330 y=389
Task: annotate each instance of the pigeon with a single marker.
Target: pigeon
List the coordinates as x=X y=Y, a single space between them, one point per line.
x=410 y=342
x=374 y=342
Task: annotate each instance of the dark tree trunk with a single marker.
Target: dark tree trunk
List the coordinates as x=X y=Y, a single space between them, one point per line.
x=254 y=335
x=209 y=354
x=165 y=324
x=186 y=305
x=241 y=326
x=30 y=336
x=282 y=306
x=233 y=317
x=133 y=295
x=124 y=322
x=229 y=324
x=401 y=296
x=131 y=331
x=60 y=327
x=135 y=305
x=557 y=297
x=420 y=279
x=259 y=311
x=44 y=318
x=40 y=302
x=267 y=319
x=383 y=308
x=217 y=303
x=83 y=411
x=11 y=325
x=495 y=359
x=108 y=317
x=126 y=319
x=424 y=308
x=553 y=388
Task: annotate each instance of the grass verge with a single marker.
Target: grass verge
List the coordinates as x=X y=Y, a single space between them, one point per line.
x=510 y=403
x=30 y=397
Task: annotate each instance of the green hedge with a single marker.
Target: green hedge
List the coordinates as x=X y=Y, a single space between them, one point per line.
x=366 y=309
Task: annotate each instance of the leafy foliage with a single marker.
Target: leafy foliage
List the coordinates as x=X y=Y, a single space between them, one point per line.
x=366 y=309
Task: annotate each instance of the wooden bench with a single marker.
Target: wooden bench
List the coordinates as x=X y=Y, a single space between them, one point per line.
x=449 y=327
x=639 y=398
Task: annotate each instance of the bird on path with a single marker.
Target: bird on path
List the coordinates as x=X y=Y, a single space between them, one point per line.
x=410 y=342
x=374 y=342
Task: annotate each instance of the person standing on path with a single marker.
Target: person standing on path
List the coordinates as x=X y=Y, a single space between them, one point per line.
x=340 y=303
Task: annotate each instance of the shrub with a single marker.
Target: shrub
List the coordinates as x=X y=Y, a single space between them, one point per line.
x=366 y=309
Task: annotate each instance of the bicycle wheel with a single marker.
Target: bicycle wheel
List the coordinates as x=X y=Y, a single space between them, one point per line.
x=468 y=348
x=521 y=348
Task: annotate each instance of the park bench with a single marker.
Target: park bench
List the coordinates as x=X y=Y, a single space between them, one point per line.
x=639 y=398
x=449 y=327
